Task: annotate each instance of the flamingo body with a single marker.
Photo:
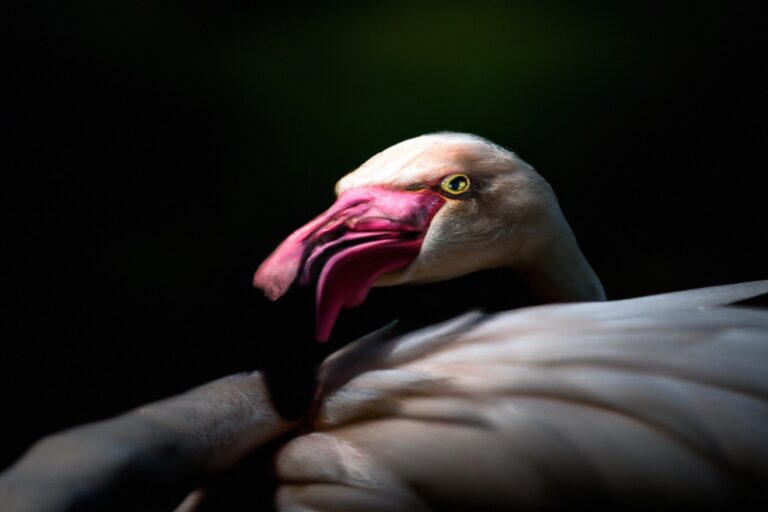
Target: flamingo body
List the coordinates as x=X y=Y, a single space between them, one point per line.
x=661 y=399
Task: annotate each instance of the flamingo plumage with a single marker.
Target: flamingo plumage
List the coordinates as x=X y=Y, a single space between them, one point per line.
x=659 y=399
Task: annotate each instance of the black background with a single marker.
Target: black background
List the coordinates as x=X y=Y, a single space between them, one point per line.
x=158 y=151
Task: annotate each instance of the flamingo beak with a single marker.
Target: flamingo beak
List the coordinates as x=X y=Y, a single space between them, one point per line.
x=367 y=233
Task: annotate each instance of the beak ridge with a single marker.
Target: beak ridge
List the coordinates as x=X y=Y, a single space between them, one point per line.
x=367 y=233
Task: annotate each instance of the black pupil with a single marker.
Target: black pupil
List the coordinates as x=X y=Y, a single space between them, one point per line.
x=457 y=184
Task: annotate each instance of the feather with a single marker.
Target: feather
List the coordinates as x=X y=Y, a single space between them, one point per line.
x=648 y=400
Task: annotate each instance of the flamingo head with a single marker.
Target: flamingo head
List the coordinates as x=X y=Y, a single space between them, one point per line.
x=427 y=209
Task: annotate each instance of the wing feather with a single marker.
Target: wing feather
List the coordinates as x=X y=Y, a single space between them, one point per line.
x=655 y=399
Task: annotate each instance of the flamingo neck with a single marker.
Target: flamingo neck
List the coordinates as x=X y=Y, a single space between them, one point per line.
x=563 y=274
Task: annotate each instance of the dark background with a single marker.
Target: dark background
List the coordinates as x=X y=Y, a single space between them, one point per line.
x=158 y=151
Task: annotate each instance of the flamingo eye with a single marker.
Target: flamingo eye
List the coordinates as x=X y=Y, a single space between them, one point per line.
x=455 y=184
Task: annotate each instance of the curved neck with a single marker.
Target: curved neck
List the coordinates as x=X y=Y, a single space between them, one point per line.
x=564 y=275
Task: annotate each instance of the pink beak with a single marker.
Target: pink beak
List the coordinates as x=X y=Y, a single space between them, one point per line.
x=365 y=234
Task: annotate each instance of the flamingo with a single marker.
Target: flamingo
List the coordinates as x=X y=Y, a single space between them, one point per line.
x=658 y=400
x=654 y=400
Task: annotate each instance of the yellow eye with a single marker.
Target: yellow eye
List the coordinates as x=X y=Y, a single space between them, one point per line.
x=455 y=184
